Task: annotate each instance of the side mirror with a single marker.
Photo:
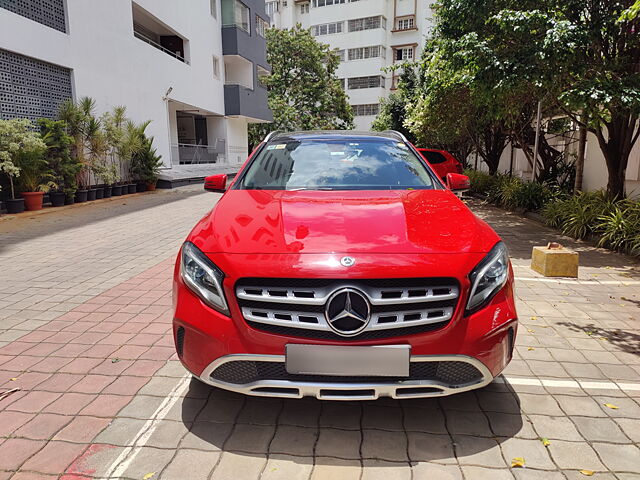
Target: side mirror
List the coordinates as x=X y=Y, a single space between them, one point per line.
x=215 y=183
x=457 y=182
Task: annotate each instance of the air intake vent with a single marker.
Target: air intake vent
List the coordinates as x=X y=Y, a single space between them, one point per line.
x=180 y=341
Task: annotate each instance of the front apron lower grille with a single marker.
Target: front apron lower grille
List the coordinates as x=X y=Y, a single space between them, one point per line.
x=398 y=306
x=242 y=372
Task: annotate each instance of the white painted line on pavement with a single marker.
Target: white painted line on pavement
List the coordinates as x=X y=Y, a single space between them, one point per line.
x=585 y=384
x=128 y=455
x=579 y=282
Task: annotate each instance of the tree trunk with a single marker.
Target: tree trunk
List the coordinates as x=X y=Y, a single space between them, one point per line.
x=492 y=143
x=622 y=133
x=582 y=143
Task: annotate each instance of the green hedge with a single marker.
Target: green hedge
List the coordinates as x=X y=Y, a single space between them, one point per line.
x=615 y=223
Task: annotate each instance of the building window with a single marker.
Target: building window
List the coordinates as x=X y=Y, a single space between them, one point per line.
x=367 y=23
x=366 y=52
x=49 y=13
x=326 y=29
x=367 y=109
x=216 y=67
x=374 y=81
x=235 y=14
x=271 y=8
x=261 y=26
x=405 y=23
x=214 y=8
x=304 y=8
x=403 y=54
x=326 y=3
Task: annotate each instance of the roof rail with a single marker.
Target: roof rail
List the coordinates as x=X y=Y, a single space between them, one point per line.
x=397 y=134
x=270 y=134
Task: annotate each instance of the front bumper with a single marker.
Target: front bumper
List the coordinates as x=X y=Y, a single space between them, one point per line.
x=265 y=376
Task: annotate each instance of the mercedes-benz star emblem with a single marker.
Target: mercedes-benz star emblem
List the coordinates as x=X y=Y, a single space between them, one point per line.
x=348 y=312
x=347 y=261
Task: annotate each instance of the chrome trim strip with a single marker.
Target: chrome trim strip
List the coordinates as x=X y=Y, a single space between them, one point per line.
x=321 y=390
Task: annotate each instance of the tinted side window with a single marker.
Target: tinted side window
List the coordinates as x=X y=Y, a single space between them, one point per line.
x=433 y=157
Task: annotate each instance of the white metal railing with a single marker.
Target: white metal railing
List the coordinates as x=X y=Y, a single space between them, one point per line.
x=190 y=154
x=154 y=44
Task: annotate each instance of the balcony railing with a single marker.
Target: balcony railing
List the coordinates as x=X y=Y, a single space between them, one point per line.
x=154 y=44
x=190 y=154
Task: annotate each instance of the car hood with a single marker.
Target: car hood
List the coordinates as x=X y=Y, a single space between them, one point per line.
x=399 y=221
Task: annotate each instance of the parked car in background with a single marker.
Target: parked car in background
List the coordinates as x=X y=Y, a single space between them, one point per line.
x=338 y=266
x=441 y=161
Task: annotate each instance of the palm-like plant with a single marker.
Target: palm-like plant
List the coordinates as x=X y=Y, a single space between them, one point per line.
x=79 y=117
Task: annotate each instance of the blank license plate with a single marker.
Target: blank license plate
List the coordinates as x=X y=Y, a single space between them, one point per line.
x=375 y=361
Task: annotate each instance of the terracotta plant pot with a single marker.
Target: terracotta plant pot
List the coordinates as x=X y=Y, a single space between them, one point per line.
x=57 y=199
x=151 y=186
x=14 y=205
x=32 y=200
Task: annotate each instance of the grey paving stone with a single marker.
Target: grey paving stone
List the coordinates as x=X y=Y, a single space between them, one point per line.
x=337 y=443
x=502 y=402
x=620 y=458
x=302 y=413
x=292 y=440
x=533 y=451
x=631 y=427
x=424 y=420
x=575 y=456
x=538 y=404
x=478 y=451
x=167 y=434
x=250 y=438
x=120 y=432
x=260 y=411
x=285 y=466
x=600 y=429
x=428 y=447
x=383 y=470
x=148 y=460
x=559 y=428
x=508 y=425
x=423 y=470
x=142 y=407
x=586 y=406
x=384 y=418
x=480 y=473
x=383 y=445
x=220 y=411
x=207 y=436
x=328 y=468
x=231 y=464
x=194 y=463
x=341 y=415
x=527 y=474
x=468 y=423
x=627 y=407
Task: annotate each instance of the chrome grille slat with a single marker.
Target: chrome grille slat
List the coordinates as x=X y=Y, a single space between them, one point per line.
x=322 y=294
x=395 y=304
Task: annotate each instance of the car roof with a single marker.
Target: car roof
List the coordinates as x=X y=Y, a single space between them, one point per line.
x=335 y=135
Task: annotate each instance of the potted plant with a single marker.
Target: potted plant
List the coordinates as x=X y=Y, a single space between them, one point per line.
x=146 y=163
x=35 y=177
x=64 y=168
x=16 y=138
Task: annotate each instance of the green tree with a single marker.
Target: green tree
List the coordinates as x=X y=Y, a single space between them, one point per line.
x=64 y=168
x=580 y=58
x=303 y=90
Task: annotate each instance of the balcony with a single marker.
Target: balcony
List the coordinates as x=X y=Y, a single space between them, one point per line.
x=161 y=37
x=192 y=154
x=246 y=102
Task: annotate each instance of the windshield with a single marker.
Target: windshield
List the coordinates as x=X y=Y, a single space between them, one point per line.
x=344 y=164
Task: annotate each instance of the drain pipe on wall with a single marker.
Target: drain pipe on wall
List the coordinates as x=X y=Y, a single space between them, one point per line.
x=165 y=99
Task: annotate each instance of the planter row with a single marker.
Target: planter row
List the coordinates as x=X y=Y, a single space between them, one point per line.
x=33 y=200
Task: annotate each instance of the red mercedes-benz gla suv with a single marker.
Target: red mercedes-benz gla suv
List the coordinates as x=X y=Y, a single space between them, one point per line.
x=337 y=265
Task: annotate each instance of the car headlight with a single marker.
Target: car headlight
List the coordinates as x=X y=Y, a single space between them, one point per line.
x=488 y=277
x=203 y=277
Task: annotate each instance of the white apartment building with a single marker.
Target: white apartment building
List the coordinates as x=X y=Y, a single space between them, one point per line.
x=368 y=35
x=189 y=67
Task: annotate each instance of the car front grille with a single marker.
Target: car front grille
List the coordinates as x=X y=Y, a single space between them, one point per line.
x=296 y=307
x=242 y=372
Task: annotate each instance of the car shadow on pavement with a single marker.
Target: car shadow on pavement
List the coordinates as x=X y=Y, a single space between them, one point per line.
x=471 y=424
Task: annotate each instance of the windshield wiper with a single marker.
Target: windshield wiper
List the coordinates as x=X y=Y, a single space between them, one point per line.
x=309 y=188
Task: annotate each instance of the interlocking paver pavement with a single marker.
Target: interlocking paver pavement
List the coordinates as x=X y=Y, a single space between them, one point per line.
x=85 y=334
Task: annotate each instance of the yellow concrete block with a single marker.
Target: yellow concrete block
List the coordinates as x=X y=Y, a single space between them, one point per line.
x=556 y=261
